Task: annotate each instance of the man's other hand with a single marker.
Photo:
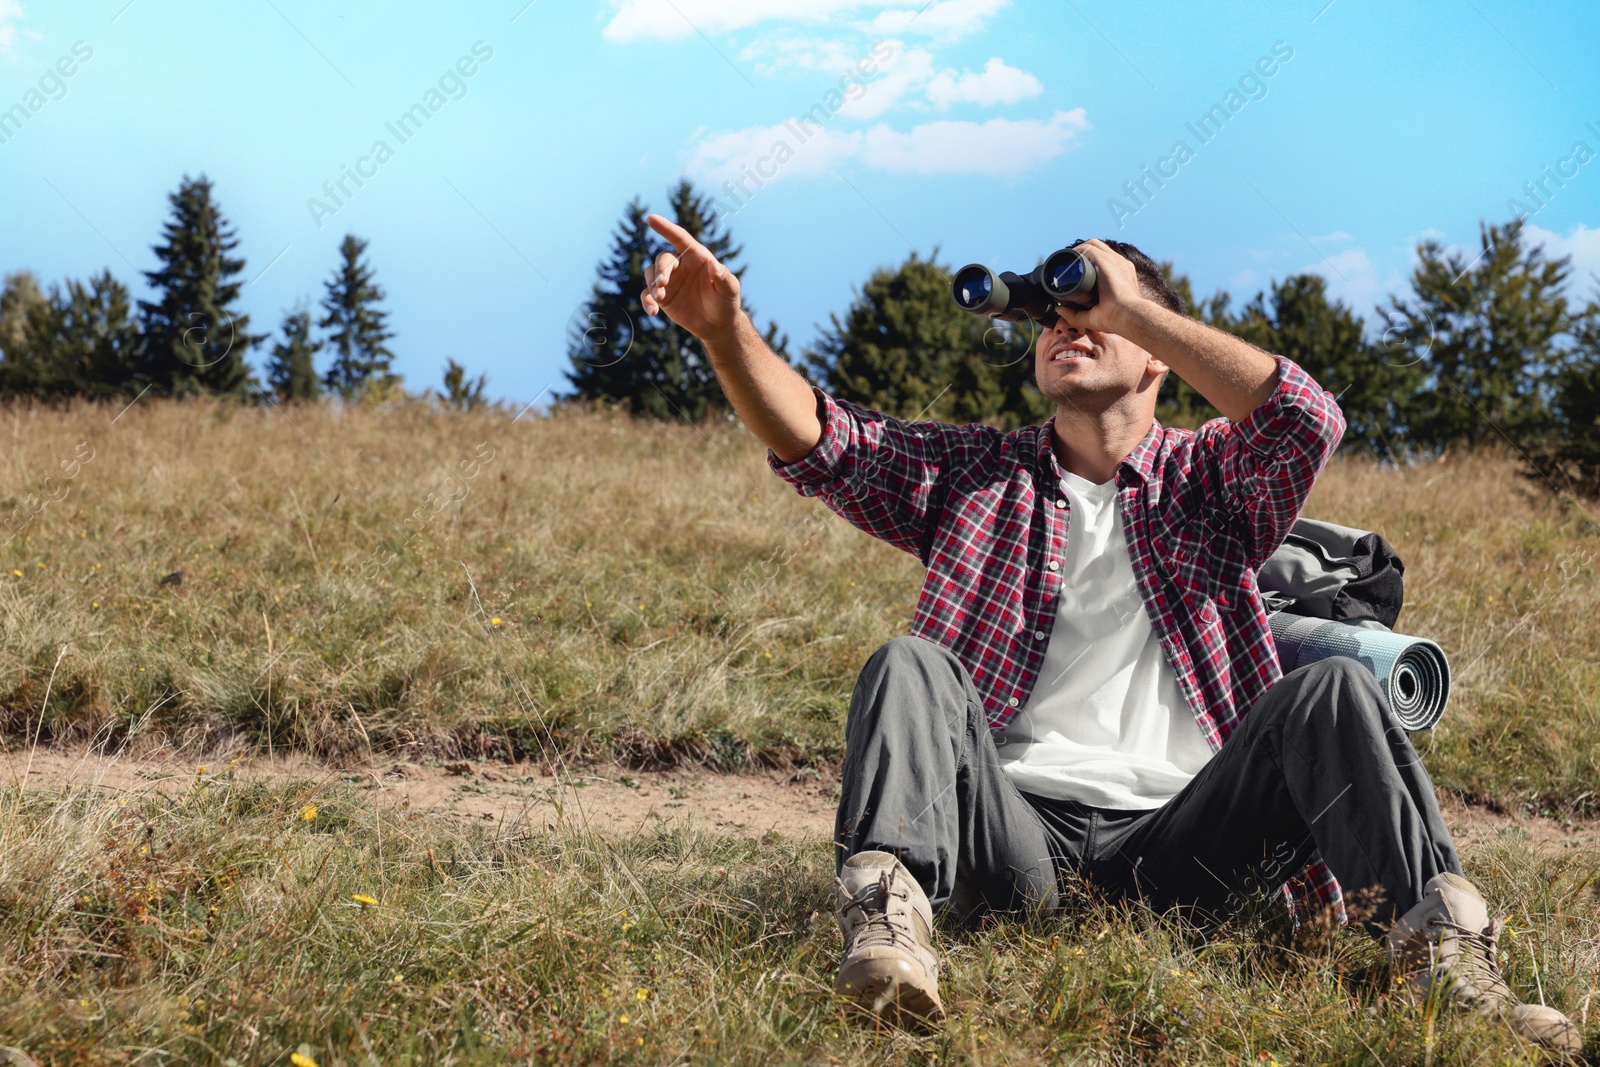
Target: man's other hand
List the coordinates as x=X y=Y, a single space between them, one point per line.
x=695 y=291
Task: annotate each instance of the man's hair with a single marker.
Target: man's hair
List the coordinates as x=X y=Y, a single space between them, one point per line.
x=1152 y=283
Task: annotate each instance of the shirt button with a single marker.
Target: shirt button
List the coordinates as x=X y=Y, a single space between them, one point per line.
x=1013 y=702
x=1038 y=635
x=1054 y=565
x=1061 y=503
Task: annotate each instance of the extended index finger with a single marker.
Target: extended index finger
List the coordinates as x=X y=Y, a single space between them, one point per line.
x=681 y=238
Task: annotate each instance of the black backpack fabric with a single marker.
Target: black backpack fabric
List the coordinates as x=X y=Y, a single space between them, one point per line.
x=1326 y=571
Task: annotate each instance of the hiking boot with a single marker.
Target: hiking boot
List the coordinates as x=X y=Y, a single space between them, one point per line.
x=889 y=967
x=1445 y=947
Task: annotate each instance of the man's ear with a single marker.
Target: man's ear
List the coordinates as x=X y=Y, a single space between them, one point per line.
x=1156 y=367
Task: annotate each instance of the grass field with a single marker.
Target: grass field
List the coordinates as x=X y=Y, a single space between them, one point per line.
x=586 y=588
x=238 y=923
x=601 y=588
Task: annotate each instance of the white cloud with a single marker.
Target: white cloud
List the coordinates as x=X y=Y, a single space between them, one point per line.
x=997 y=148
x=1354 y=278
x=10 y=16
x=907 y=76
x=906 y=73
x=731 y=156
x=998 y=84
x=1583 y=245
x=782 y=51
x=942 y=18
x=672 y=20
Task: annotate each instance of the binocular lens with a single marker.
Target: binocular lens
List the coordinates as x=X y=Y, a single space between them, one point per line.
x=1067 y=276
x=973 y=287
x=1064 y=275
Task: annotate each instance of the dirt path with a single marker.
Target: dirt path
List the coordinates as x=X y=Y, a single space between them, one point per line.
x=613 y=799
x=605 y=798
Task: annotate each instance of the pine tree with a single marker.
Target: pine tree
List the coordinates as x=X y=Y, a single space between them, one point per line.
x=194 y=339
x=29 y=323
x=359 y=327
x=97 y=341
x=1328 y=340
x=1569 y=455
x=19 y=297
x=1178 y=403
x=906 y=349
x=80 y=340
x=292 y=372
x=460 y=392
x=603 y=334
x=1486 y=333
x=618 y=354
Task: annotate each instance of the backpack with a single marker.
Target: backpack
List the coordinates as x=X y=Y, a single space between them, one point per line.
x=1326 y=571
x=1331 y=590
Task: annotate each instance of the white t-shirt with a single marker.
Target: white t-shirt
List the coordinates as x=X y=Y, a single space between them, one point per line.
x=1107 y=724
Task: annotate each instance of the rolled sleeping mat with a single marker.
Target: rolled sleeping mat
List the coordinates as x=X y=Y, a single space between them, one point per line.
x=1412 y=671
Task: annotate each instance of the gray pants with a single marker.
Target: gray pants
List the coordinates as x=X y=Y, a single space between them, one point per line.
x=1317 y=765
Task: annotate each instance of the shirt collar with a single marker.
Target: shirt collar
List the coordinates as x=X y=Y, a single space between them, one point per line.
x=1140 y=463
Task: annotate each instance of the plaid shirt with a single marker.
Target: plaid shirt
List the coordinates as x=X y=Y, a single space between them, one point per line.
x=984 y=511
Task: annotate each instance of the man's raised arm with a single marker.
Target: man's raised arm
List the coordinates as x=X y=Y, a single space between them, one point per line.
x=702 y=296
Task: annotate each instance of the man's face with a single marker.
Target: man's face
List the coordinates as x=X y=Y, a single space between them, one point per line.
x=1087 y=369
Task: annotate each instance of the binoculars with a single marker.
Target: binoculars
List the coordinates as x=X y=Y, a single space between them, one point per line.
x=1065 y=278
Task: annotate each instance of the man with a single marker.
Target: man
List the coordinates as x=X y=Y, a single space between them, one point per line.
x=1090 y=689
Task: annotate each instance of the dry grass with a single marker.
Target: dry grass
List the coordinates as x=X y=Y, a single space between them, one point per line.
x=1503 y=576
x=660 y=596
x=585 y=588
x=230 y=925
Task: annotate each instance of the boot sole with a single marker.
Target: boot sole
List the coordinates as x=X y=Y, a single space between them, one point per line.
x=889 y=998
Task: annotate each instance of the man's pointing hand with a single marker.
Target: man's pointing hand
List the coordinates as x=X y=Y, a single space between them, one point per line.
x=695 y=291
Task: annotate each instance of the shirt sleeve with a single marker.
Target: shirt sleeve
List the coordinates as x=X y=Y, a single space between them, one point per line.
x=1255 y=474
x=884 y=475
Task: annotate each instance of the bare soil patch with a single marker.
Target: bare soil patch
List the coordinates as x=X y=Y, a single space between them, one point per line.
x=604 y=798
x=609 y=798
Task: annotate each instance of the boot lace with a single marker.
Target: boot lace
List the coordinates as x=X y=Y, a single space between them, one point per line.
x=872 y=902
x=1475 y=963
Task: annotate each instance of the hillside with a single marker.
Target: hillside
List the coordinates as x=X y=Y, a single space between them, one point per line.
x=473 y=585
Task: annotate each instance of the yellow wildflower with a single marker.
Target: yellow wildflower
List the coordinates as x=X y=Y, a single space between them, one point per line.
x=495 y=621
x=301 y=1061
x=642 y=994
x=364 y=900
x=308 y=813
x=16 y=572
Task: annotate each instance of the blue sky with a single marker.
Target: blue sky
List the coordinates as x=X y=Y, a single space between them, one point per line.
x=992 y=130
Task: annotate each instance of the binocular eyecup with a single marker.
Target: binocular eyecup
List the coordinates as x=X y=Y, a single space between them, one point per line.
x=1066 y=278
